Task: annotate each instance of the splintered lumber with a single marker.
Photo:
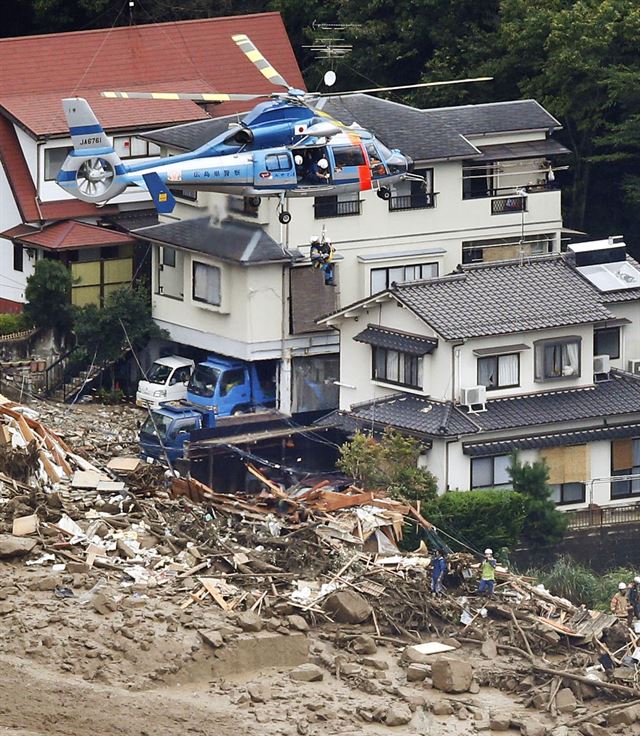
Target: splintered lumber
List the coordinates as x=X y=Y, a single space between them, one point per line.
x=521 y=632
x=602 y=712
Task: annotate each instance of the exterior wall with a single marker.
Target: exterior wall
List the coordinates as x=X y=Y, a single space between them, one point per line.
x=629 y=333
x=12 y=283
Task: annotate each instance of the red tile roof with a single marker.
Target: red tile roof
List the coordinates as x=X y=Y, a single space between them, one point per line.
x=37 y=71
x=72 y=234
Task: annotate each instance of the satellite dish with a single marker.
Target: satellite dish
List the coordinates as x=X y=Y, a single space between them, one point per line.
x=330 y=78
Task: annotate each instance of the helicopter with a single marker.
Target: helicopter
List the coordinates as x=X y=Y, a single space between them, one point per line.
x=283 y=147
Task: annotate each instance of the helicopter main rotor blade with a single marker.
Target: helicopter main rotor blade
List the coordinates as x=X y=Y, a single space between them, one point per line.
x=246 y=45
x=403 y=86
x=196 y=96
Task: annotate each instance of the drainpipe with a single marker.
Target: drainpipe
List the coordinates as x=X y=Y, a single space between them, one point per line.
x=455 y=366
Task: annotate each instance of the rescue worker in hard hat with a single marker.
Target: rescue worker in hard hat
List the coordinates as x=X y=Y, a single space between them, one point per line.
x=633 y=599
x=321 y=254
x=619 y=603
x=487 y=574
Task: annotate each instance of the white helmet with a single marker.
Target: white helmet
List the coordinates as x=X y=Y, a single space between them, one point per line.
x=323 y=163
x=488 y=551
x=636 y=580
x=314 y=239
x=622 y=586
x=298 y=159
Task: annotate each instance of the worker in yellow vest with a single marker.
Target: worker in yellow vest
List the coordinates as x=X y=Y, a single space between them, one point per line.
x=487 y=574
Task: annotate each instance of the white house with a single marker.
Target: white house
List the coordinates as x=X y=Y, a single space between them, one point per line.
x=538 y=354
x=476 y=161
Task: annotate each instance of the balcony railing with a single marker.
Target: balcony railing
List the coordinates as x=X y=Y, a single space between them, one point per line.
x=334 y=208
x=422 y=201
x=505 y=205
x=599 y=516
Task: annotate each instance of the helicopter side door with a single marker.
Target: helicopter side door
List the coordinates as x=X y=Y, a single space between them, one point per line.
x=273 y=169
x=350 y=165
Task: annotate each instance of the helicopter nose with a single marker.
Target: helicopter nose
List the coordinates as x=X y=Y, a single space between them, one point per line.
x=397 y=163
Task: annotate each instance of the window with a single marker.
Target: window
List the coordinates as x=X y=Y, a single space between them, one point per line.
x=606 y=341
x=348 y=156
x=206 y=284
x=168 y=257
x=382 y=278
x=230 y=380
x=130 y=146
x=557 y=358
x=499 y=371
x=392 y=366
x=625 y=460
x=18 y=257
x=489 y=472
x=337 y=205
x=504 y=249
x=477 y=180
x=53 y=160
x=278 y=162
x=414 y=195
x=180 y=375
x=563 y=493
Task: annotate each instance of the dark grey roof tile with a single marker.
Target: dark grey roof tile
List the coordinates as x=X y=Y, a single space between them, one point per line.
x=385 y=337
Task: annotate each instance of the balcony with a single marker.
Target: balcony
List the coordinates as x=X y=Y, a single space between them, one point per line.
x=420 y=201
x=507 y=205
x=324 y=207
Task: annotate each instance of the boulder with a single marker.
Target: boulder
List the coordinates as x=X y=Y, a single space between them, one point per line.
x=500 y=723
x=347 y=607
x=592 y=729
x=489 y=649
x=451 y=675
x=307 y=673
x=11 y=546
x=566 y=701
x=212 y=637
x=297 y=622
x=627 y=716
x=364 y=644
x=442 y=708
x=531 y=727
x=249 y=621
x=259 y=692
x=398 y=715
x=417 y=672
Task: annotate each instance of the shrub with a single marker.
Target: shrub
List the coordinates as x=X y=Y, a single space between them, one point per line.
x=12 y=322
x=48 y=295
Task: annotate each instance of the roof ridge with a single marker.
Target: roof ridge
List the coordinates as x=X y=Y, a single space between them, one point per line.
x=479 y=104
x=526 y=261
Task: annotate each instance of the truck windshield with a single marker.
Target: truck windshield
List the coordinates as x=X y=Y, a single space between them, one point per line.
x=156 y=424
x=203 y=381
x=159 y=373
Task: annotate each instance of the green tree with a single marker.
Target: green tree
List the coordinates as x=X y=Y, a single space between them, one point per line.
x=124 y=322
x=390 y=463
x=544 y=523
x=48 y=295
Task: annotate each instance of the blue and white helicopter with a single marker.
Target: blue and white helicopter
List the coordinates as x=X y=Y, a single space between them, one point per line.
x=283 y=147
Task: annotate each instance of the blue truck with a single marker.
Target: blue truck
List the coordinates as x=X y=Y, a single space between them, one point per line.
x=166 y=430
x=226 y=386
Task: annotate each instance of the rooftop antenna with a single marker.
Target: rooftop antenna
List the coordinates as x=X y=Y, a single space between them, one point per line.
x=329 y=45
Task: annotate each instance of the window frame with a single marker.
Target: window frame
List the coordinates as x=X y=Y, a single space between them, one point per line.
x=497 y=357
x=404 y=267
x=407 y=364
x=633 y=470
x=539 y=348
x=200 y=300
x=279 y=157
x=597 y=331
x=47 y=175
x=18 y=257
x=493 y=483
x=561 y=491
x=166 y=250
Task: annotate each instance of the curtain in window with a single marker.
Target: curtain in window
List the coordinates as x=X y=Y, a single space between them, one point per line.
x=393 y=368
x=500 y=472
x=487 y=372
x=552 y=360
x=378 y=280
x=507 y=370
x=481 y=472
x=570 y=359
x=206 y=283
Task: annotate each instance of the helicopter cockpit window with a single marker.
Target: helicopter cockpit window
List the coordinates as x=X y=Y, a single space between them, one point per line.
x=375 y=162
x=278 y=162
x=348 y=156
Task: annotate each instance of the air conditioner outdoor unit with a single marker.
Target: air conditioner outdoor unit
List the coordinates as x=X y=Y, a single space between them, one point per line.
x=634 y=367
x=601 y=367
x=474 y=398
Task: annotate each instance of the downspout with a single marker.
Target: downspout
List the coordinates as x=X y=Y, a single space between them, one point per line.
x=455 y=359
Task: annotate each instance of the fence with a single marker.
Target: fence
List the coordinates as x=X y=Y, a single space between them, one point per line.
x=600 y=516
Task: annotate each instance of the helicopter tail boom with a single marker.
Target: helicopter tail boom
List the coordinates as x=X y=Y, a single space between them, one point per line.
x=93 y=171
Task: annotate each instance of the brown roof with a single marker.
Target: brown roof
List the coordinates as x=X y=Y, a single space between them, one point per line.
x=24 y=190
x=72 y=234
x=186 y=56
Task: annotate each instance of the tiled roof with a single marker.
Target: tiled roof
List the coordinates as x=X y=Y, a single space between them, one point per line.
x=617 y=397
x=71 y=234
x=399 y=126
x=385 y=337
x=230 y=241
x=151 y=56
x=494 y=117
x=522 y=149
x=503 y=298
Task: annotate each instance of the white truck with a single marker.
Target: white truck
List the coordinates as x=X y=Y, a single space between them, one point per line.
x=166 y=380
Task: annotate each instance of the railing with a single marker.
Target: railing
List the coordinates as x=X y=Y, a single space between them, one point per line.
x=59 y=375
x=336 y=209
x=508 y=204
x=422 y=201
x=600 y=516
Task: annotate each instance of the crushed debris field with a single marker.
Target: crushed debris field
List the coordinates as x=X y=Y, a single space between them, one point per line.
x=133 y=601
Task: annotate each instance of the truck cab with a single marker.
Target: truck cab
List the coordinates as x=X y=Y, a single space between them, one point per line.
x=227 y=386
x=166 y=380
x=168 y=427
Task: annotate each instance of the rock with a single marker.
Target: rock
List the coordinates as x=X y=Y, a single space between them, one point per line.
x=297 y=622
x=377 y=664
x=451 y=675
x=350 y=668
x=489 y=649
x=213 y=638
x=566 y=701
x=398 y=715
x=474 y=688
x=463 y=714
x=626 y=717
x=259 y=692
x=416 y=672
x=11 y=546
x=249 y=621
x=364 y=644
x=500 y=723
x=531 y=727
x=347 y=607
x=307 y=673
x=592 y=729
x=48 y=582
x=104 y=605
x=6 y=607
x=442 y=708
